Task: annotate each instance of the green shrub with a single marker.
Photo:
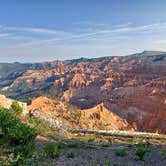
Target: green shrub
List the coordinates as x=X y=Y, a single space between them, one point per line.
x=105 y=145
x=22 y=134
x=1 y=152
x=60 y=145
x=70 y=155
x=13 y=130
x=40 y=124
x=75 y=144
x=110 y=141
x=52 y=151
x=18 y=160
x=89 y=138
x=1 y=133
x=7 y=120
x=16 y=108
x=23 y=150
x=121 y=153
x=140 y=152
x=163 y=154
x=20 y=155
x=108 y=162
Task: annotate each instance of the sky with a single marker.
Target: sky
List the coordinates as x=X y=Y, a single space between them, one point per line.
x=46 y=30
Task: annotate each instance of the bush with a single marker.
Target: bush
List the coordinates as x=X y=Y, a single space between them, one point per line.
x=121 y=152
x=140 y=152
x=23 y=150
x=110 y=141
x=60 y=145
x=75 y=144
x=40 y=124
x=164 y=154
x=53 y=151
x=16 y=108
x=21 y=134
x=70 y=155
x=89 y=138
x=13 y=130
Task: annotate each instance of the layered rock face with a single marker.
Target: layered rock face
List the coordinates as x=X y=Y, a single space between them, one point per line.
x=65 y=116
x=143 y=106
x=132 y=87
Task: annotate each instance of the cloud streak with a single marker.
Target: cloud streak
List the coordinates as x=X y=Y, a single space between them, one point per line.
x=61 y=36
x=126 y=37
x=101 y=33
x=4 y=34
x=31 y=30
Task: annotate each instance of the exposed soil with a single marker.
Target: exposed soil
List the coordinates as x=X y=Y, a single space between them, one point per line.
x=99 y=153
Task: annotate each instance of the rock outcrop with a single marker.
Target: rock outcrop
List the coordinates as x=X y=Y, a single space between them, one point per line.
x=6 y=103
x=132 y=87
x=63 y=116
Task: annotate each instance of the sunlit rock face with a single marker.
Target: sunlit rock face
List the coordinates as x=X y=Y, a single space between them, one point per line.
x=133 y=87
x=6 y=103
x=63 y=116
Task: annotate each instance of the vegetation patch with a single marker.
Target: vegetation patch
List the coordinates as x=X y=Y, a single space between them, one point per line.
x=140 y=152
x=13 y=130
x=121 y=153
x=164 y=154
x=53 y=150
x=89 y=138
x=15 y=139
x=110 y=141
x=40 y=124
x=70 y=155
x=16 y=108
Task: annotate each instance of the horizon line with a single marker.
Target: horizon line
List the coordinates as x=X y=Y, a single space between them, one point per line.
x=134 y=53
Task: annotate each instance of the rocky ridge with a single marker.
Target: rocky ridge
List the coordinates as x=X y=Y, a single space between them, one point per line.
x=63 y=116
x=132 y=87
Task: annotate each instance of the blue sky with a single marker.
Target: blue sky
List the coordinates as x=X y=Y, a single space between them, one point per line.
x=44 y=30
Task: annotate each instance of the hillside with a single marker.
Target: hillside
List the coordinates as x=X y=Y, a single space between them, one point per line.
x=62 y=115
x=56 y=133
x=131 y=87
x=6 y=103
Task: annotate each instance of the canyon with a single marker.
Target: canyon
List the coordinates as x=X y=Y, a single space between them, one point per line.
x=116 y=92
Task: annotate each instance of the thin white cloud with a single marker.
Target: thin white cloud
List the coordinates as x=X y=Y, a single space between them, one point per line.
x=32 y=30
x=162 y=41
x=101 y=33
x=4 y=34
x=62 y=36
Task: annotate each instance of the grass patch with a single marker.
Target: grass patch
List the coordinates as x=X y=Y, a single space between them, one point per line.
x=110 y=141
x=105 y=145
x=140 y=152
x=163 y=154
x=16 y=108
x=89 y=138
x=24 y=150
x=75 y=144
x=70 y=155
x=40 y=124
x=121 y=153
x=53 y=150
x=108 y=162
